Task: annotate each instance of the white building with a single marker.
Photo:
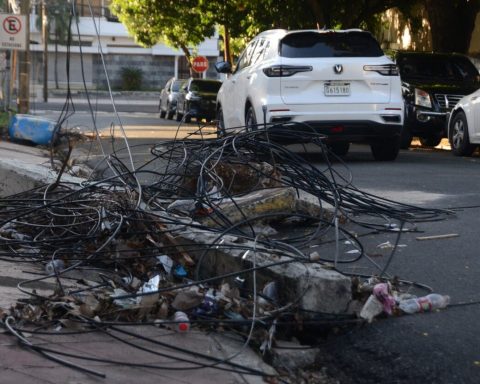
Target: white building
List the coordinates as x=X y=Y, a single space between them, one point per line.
x=101 y=35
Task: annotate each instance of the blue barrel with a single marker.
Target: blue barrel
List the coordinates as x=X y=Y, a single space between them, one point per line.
x=37 y=130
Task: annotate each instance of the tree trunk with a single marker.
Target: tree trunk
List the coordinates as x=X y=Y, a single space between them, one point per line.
x=188 y=56
x=227 y=54
x=452 y=23
x=318 y=13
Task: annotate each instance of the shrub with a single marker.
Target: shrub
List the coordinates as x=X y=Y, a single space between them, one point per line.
x=131 y=78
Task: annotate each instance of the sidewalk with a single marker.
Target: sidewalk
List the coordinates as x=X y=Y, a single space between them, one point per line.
x=22 y=168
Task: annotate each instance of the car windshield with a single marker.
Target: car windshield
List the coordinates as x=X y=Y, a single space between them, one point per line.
x=438 y=67
x=176 y=85
x=330 y=44
x=205 y=86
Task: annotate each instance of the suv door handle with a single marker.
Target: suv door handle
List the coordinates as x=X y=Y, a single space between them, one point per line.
x=473 y=98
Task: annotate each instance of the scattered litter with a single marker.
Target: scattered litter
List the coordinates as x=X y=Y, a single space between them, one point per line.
x=54 y=266
x=353 y=251
x=128 y=239
x=372 y=308
x=166 y=262
x=437 y=237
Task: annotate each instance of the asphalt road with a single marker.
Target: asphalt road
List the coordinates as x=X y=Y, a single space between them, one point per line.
x=440 y=347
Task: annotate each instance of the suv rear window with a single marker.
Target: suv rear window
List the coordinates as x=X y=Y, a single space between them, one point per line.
x=439 y=67
x=330 y=44
x=205 y=86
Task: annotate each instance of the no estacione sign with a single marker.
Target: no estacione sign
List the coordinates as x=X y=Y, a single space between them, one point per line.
x=13 y=33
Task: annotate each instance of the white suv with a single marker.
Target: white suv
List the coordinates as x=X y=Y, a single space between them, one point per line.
x=338 y=83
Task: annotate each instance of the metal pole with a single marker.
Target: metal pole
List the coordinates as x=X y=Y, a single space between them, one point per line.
x=7 y=81
x=45 y=51
x=23 y=101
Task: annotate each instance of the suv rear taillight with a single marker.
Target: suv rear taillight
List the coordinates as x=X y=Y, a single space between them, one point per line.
x=385 y=69
x=286 y=70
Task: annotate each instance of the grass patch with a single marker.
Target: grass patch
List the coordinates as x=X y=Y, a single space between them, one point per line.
x=4 y=117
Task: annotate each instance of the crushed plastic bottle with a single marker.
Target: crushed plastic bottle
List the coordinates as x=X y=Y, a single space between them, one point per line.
x=425 y=303
x=182 y=323
x=55 y=266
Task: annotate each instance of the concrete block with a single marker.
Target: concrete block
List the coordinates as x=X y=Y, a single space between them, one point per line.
x=265 y=201
x=290 y=356
x=314 y=288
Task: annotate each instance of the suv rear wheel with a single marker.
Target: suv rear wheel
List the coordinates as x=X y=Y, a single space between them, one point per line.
x=386 y=150
x=339 y=148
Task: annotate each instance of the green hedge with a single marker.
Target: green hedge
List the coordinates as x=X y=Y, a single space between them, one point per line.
x=131 y=78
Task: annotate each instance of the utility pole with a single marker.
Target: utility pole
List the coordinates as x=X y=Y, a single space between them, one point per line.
x=23 y=100
x=45 y=50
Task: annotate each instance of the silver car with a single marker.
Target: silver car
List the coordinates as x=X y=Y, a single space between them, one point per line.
x=169 y=96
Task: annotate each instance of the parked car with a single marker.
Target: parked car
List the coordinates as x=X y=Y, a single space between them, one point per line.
x=197 y=98
x=464 y=125
x=432 y=83
x=340 y=83
x=168 y=97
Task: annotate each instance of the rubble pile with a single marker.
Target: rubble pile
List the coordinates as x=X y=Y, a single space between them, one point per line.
x=119 y=250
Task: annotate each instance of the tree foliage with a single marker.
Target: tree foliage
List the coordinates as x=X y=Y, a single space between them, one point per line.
x=185 y=24
x=179 y=24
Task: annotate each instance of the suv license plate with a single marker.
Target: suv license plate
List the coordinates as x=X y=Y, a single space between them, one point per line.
x=337 y=89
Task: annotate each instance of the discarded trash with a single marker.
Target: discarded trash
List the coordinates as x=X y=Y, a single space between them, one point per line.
x=353 y=251
x=436 y=237
x=167 y=263
x=389 y=245
x=125 y=303
x=36 y=129
x=382 y=293
x=425 y=303
x=54 y=266
x=182 y=323
x=208 y=307
x=271 y=291
x=179 y=271
x=372 y=308
x=187 y=299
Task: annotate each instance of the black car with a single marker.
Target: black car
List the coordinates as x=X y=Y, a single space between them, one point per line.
x=197 y=98
x=168 y=97
x=432 y=83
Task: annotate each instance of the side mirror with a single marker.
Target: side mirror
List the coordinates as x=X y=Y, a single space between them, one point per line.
x=223 y=67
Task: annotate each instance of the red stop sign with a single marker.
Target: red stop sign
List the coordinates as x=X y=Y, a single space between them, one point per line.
x=200 y=64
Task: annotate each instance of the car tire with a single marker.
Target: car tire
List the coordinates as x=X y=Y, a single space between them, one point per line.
x=458 y=136
x=250 y=119
x=178 y=116
x=430 y=141
x=405 y=138
x=221 y=130
x=386 y=150
x=169 y=112
x=339 y=148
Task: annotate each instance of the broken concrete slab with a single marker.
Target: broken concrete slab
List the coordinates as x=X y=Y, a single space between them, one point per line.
x=290 y=356
x=23 y=168
x=255 y=204
x=311 y=286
